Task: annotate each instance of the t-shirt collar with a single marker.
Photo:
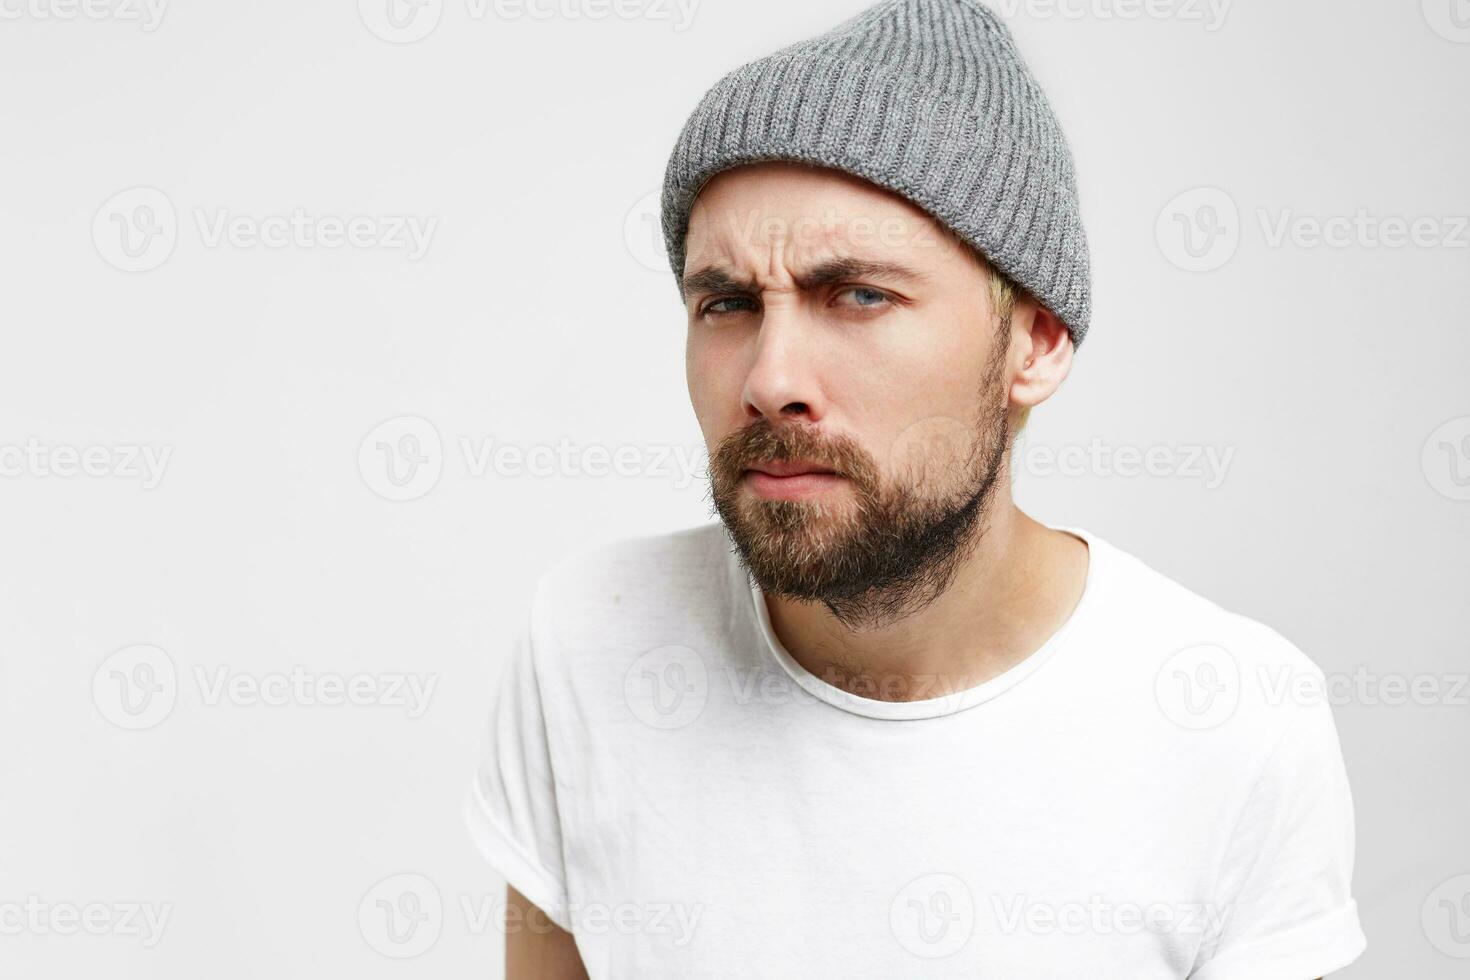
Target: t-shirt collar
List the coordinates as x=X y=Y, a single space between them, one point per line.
x=945 y=703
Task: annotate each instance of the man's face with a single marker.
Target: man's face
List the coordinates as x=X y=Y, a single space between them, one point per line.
x=838 y=333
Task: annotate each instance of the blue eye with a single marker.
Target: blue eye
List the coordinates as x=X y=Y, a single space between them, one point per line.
x=874 y=298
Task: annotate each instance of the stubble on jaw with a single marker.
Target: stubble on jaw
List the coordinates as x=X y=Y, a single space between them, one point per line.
x=889 y=551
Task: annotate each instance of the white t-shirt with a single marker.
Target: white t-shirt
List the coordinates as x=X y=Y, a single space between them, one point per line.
x=1158 y=791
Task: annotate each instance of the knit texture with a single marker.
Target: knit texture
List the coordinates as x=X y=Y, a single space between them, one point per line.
x=927 y=98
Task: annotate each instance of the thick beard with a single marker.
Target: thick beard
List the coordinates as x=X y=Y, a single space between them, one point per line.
x=894 y=553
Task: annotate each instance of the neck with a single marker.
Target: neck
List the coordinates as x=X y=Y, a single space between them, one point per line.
x=1016 y=586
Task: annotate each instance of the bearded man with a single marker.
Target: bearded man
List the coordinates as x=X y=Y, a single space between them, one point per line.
x=876 y=721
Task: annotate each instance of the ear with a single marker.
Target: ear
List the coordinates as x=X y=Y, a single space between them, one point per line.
x=1041 y=353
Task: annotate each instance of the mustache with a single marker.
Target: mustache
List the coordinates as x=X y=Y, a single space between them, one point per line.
x=761 y=442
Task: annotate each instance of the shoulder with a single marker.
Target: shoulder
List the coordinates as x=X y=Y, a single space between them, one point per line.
x=601 y=606
x=637 y=563
x=1161 y=612
x=1229 y=708
x=1218 y=681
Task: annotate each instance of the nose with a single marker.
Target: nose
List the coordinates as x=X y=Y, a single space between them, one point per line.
x=783 y=383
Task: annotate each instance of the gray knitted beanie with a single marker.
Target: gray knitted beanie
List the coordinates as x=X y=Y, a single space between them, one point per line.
x=927 y=98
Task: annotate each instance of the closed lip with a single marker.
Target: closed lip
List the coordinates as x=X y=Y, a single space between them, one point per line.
x=792 y=469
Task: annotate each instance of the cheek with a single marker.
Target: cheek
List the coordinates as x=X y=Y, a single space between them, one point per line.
x=715 y=382
x=931 y=451
x=928 y=346
x=923 y=405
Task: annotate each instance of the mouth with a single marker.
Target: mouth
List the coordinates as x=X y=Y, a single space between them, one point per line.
x=791 y=480
x=785 y=469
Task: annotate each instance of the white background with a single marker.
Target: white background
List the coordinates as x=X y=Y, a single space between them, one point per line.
x=540 y=313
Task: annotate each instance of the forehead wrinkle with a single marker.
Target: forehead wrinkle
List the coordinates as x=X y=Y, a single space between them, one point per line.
x=774 y=268
x=746 y=251
x=769 y=238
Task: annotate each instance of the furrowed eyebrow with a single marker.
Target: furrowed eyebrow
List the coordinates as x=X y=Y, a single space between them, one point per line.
x=840 y=270
x=714 y=279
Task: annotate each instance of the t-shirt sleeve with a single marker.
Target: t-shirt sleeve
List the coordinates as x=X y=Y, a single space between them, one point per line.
x=511 y=808
x=1284 y=888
